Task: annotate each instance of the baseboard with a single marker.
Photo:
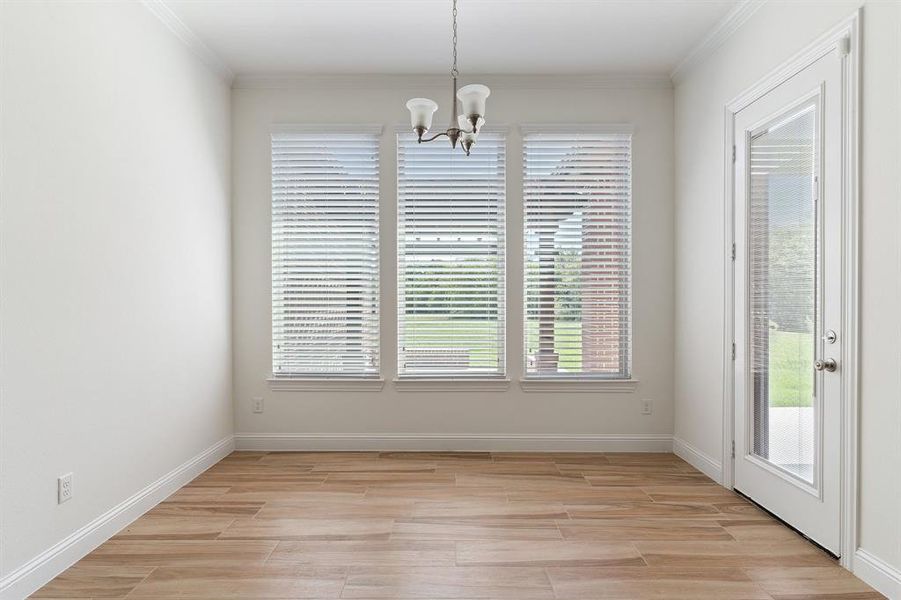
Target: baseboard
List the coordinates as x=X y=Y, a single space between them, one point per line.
x=42 y=568
x=700 y=461
x=875 y=572
x=461 y=442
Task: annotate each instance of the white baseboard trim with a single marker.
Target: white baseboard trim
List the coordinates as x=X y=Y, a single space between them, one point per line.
x=877 y=573
x=463 y=442
x=700 y=461
x=31 y=576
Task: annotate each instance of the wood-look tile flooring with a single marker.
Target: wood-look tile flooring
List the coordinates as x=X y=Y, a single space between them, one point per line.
x=456 y=525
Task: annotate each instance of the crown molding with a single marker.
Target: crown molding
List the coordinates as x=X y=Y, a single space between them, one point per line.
x=184 y=33
x=717 y=36
x=417 y=82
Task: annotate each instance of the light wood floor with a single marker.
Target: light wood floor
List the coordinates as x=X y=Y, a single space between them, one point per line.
x=449 y=525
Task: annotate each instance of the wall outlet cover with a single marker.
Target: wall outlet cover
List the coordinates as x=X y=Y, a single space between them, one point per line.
x=64 y=488
x=257 y=405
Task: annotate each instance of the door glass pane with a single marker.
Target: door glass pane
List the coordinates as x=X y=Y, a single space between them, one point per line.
x=783 y=286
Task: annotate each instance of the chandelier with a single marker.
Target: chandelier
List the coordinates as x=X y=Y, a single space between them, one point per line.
x=463 y=127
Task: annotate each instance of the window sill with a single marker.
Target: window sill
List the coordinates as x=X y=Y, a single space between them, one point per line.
x=451 y=384
x=325 y=384
x=560 y=384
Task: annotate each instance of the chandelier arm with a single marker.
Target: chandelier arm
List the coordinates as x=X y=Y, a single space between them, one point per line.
x=434 y=137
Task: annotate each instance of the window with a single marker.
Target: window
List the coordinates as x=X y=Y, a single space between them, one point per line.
x=577 y=202
x=450 y=252
x=325 y=249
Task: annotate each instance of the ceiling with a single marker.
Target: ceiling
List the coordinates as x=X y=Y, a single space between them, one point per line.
x=520 y=37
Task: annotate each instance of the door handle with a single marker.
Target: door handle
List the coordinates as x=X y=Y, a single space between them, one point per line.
x=826 y=365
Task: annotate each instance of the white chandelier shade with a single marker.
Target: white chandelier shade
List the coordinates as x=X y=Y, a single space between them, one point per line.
x=469 y=138
x=466 y=126
x=421 y=112
x=472 y=98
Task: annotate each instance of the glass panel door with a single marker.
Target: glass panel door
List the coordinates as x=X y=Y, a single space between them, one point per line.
x=783 y=294
x=788 y=300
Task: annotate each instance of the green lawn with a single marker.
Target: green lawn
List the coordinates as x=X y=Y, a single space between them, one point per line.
x=567 y=342
x=454 y=333
x=791 y=370
x=791 y=354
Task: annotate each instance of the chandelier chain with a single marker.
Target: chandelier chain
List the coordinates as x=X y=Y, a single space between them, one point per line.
x=454 y=71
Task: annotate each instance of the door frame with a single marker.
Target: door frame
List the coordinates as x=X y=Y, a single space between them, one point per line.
x=844 y=38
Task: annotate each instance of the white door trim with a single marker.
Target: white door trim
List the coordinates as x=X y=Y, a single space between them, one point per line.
x=845 y=39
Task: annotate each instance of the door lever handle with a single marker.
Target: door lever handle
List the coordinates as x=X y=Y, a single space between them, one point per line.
x=826 y=365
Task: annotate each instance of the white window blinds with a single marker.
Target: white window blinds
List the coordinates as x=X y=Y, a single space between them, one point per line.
x=450 y=252
x=577 y=197
x=325 y=248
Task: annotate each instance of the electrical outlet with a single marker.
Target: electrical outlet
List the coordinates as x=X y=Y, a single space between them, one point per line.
x=647 y=407
x=64 y=488
x=257 y=405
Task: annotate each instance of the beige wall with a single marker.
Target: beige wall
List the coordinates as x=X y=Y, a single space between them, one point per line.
x=772 y=35
x=391 y=411
x=115 y=355
x=117 y=313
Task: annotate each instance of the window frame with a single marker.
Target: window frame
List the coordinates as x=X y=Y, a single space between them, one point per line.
x=328 y=381
x=455 y=381
x=582 y=382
